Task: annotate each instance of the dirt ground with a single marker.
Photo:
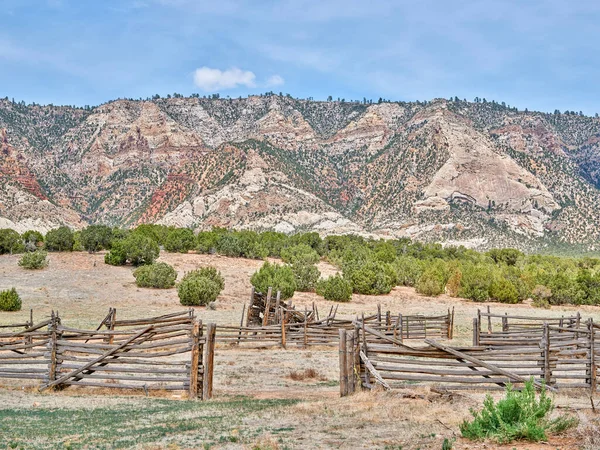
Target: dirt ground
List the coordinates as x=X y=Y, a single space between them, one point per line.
x=82 y=288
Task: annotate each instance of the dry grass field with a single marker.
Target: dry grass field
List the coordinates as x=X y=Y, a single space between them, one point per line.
x=264 y=399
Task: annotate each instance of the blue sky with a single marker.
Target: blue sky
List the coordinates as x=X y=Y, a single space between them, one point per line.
x=536 y=54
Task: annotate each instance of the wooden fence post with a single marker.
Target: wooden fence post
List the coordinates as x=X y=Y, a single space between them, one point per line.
x=546 y=353
x=379 y=314
x=401 y=327
x=489 y=320
x=351 y=339
x=343 y=365
x=241 y=324
x=592 y=370
x=53 y=347
x=505 y=322
x=397 y=327
x=249 y=307
x=195 y=359
x=475 y=332
x=209 y=359
x=305 y=328
x=267 y=307
x=28 y=338
x=111 y=325
x=283 y=340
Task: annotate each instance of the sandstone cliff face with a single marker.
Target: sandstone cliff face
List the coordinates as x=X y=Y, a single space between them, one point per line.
x=473 y=173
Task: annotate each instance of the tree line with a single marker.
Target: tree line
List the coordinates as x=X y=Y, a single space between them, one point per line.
x=366 y=266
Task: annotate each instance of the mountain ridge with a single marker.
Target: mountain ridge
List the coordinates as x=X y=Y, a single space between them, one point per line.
x=475 y=173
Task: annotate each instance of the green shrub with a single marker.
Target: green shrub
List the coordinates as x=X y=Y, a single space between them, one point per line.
x=10 y=242
x=200 y=287
x=212 y=274
x=117 y=255
x=311 y=239
x=60 y=240
x=280 y=278
x=180 y=240
x=370 y=278
x=10 y=300
x=158 y=233
x=32 y=240
x=519 y=415
x=508 y=256
x=96 y=237
x=408 y=270
x=140 y=249
x=158 y=275
x=431 y=282
x=503 y=290
x=230 y=244
x=385 y=252
x=137 y=249
x=34 y=260
x=306 y=276
x=475 y=282
x=540 y=295
x=301 y=253
x=335 y=288
x=206 y=241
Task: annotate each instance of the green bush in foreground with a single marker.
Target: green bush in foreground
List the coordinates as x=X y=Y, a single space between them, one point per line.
x=280 y=278
x=34 y=260
x=335 y=288
x=158 y=275
x=10 y=300
x=200 y=287
x=519 y=415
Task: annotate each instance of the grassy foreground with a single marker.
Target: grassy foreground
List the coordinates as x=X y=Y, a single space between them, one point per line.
x=144 y=424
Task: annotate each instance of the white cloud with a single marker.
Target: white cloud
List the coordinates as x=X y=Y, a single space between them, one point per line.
x=275 y=80
x=211 y=80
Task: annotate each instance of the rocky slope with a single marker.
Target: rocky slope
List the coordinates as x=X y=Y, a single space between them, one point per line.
x=475 y=173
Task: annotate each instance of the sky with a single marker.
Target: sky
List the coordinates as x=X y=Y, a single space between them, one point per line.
x=536 y=54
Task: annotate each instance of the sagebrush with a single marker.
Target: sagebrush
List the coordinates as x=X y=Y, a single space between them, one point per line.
x=520 y=415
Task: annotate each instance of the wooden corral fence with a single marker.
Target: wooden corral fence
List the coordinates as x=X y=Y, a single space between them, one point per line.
x=572 y=342
x=559 y=357
x=488 y=325
x=169 y=352
x=285 y=325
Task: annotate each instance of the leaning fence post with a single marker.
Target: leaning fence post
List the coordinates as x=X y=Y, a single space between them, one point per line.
x=343 y=365
x=209 y=358
x=195 y=359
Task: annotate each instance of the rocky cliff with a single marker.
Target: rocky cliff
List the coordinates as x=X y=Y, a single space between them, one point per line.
x=475 y=173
